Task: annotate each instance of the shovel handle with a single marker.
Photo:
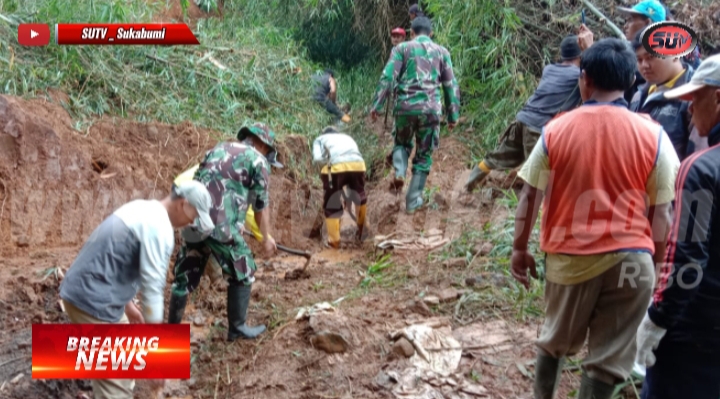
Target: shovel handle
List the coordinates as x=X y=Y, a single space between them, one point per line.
x=284 y=248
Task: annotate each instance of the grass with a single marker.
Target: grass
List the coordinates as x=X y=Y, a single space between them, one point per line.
x=497 y=293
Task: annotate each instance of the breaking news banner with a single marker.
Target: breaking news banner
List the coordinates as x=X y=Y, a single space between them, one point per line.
x=110 y=351
x=124 y=34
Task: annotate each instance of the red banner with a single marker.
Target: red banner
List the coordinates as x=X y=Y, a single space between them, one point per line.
x=104 y=351
x=124 y=34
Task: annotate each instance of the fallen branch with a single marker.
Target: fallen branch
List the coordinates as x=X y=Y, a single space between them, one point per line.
x=603 y=18
x=217 y=383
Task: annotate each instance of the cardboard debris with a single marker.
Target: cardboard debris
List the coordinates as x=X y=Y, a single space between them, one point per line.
x=431 y=240
x=414 y=384
x=435 y=348
x=318 y=308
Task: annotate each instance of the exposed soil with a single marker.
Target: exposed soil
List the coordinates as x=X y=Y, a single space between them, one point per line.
x=59 y=183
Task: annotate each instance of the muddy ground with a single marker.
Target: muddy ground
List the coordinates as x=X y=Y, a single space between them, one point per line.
x=59 y=183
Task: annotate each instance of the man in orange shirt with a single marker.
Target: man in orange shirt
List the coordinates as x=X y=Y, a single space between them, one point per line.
x=599 y=201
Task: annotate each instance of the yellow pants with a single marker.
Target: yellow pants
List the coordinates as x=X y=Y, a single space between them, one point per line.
x=102 y=389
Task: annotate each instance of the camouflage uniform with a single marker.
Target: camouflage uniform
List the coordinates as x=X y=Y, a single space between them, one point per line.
x=422 y=70
x=234 y=174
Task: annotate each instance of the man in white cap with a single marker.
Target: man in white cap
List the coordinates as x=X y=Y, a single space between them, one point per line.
x=679 y=338
x=130 y=252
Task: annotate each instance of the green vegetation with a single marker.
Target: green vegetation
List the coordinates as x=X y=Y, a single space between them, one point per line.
x=495 y=292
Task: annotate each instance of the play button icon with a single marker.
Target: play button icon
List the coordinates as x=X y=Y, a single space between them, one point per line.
x=33 y=34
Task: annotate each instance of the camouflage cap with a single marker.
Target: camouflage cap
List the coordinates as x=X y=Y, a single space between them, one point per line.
x=267 y=136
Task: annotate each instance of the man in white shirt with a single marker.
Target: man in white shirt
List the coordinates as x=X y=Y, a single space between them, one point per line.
x=343 y=166
x=130 y=252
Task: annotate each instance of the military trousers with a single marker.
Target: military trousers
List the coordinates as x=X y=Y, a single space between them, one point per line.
x=425 y=131
x=235 y=259
x=516 y=144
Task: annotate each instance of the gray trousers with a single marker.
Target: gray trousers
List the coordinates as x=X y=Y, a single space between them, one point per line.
x=607 y=310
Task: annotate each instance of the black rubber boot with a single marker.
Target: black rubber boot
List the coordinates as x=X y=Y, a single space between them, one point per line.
x=413 y=198
x=238 y=300
x=177 y=308
x=547 y=376
x=476 y=177
x=594 y=389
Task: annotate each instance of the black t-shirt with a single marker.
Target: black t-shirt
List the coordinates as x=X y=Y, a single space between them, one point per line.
x=639 y=80
x=322 y=86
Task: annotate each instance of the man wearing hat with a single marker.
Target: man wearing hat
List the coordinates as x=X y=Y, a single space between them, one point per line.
x=415 y=11
x=421 y=72
x=637 y=19
x=662 y=74
x=557 y=92
x=397 y=36
x=130 y=252
x=237 y=175
x=343 y=165
x=679 y=338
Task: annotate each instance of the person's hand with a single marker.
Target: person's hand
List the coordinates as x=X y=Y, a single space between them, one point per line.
x=373 y=115
x=648 y=338
x=585 y=37
x=133 y=313
x=520 y=262
x=269 y=245
x=451 y=125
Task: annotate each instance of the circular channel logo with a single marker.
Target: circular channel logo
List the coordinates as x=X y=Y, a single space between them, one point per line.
x=669 y=39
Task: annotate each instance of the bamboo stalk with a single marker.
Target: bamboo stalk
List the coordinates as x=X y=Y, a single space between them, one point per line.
x=603 y=18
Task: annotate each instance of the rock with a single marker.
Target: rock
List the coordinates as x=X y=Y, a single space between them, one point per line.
x=30 y=294
x=448 y=295
x=486 y=248
x=499 y=280
x=473 y=281
x=382 y=380
x=152 y=133
x=199 y=320
x=191 y=382
x=403 y=348
x=431 y=300
x=455 y=262
x=23 y=242
x=206 y=357
x=420 y=308
x=38 y=318
x=413 y=272
x=329 y=342
x=440 y=200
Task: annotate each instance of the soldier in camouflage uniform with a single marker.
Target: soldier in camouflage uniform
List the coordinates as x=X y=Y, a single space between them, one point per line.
x=236 y=175
x=424 y=76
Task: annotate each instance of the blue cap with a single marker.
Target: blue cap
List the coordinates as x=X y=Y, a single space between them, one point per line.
x=652 y=9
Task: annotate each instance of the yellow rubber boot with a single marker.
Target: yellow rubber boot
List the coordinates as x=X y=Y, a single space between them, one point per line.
x=360 y=216
x=333 y=229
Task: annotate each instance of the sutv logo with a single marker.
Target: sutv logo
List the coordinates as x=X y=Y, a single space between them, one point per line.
x=669 y=39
